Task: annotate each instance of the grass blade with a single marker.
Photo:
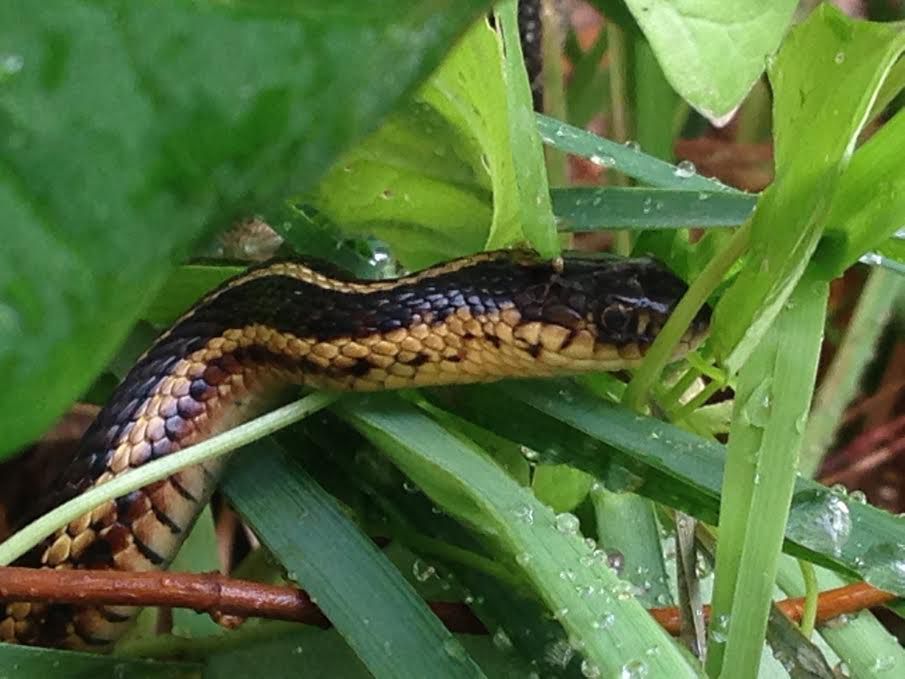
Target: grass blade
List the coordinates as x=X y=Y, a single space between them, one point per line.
x=364 y=596
x=626 y=159
x=771 y=405
x=585 y=208
x=468 y=485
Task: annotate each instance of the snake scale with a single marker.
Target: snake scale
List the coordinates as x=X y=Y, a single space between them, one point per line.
x=482 y=318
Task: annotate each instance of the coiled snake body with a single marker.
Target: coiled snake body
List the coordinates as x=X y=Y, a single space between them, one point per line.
x=477 y=319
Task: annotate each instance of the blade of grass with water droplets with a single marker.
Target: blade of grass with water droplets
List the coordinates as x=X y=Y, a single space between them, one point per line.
x=368 y=601
x=467 y=484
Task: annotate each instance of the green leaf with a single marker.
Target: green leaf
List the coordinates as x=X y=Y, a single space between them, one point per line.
x=791 y=214
x=772 y=400
x=368 y=601
x=627 y=159
x=133 y=129
x=470 y=487
x=712 y=51
x=184 y=286
x=198 y=554
x=533 y=198
x=584 y=208
x=565 y=424
x=447 y=175
x=24 y=661
x=870 y=203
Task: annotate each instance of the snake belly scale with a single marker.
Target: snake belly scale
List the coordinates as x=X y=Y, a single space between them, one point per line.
x=478 y=319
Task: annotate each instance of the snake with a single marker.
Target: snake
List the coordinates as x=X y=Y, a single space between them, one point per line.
x=287 y=322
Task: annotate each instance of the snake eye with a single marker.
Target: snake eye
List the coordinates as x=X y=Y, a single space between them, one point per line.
x=615 y=319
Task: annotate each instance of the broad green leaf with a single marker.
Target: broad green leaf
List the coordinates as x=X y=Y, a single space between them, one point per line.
x=184 y=286
x=371 y=605
x=438 y=180
x=791 y=214
x=584 y=208
x=469 y=486
x=133 y=129
x=712 y=51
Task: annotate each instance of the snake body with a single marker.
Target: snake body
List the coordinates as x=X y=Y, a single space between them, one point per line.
x=482 y=318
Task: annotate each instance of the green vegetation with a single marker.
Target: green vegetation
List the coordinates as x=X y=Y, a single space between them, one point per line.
x=131 y=133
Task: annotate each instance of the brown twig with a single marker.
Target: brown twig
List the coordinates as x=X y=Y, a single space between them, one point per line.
x=830 y=604
x=228 y=598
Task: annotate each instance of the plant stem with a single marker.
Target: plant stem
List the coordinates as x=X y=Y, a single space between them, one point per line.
x=658 y=355
x=23 y=540
x=811 y=592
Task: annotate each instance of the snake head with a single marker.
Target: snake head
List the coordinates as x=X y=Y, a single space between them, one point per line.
x=627 y=302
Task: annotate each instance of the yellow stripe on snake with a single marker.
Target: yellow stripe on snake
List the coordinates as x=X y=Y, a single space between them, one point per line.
x=482 y=318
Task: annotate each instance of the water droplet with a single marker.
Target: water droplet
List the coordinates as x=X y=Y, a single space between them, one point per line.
x=567 y=523
x=523 y=558
x=10 y=65
x=501 y=640
x=756 y=410
x=622 y=590
x=719 y=629
x=530 y=454
x=409 y=487
x=801 y=422
x=685 y=169
x=589 y=669
x=632 y=145
x=298 y=650
x=839 y=58
x=422 y=571
x=454 y=649
x=525 y=514
x=603 y=161
x=885 y=566
x=703 y=195
x=615 y=560
x=858 y=496
x=634 y=669
x=558 y=653
x=567 y=575
x=820 y=520
x=883 y=663
x=646 y=205
x=386 y=194
x=605 y=622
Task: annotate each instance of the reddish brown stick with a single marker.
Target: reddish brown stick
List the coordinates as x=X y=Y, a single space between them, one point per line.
x=223 y=597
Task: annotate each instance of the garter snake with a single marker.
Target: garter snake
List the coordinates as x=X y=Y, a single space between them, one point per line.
x=490 y=316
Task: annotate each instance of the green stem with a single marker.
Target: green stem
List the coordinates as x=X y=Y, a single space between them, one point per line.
x=700 y=399
x=811 y=592
x=619 y=112
x=855 y=353
x=554 y=89
x=20 y=542
x=660 y=352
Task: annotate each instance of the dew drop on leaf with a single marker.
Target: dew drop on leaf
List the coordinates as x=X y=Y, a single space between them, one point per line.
x=820 y=521
x=685 y=169
x=567 y=523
